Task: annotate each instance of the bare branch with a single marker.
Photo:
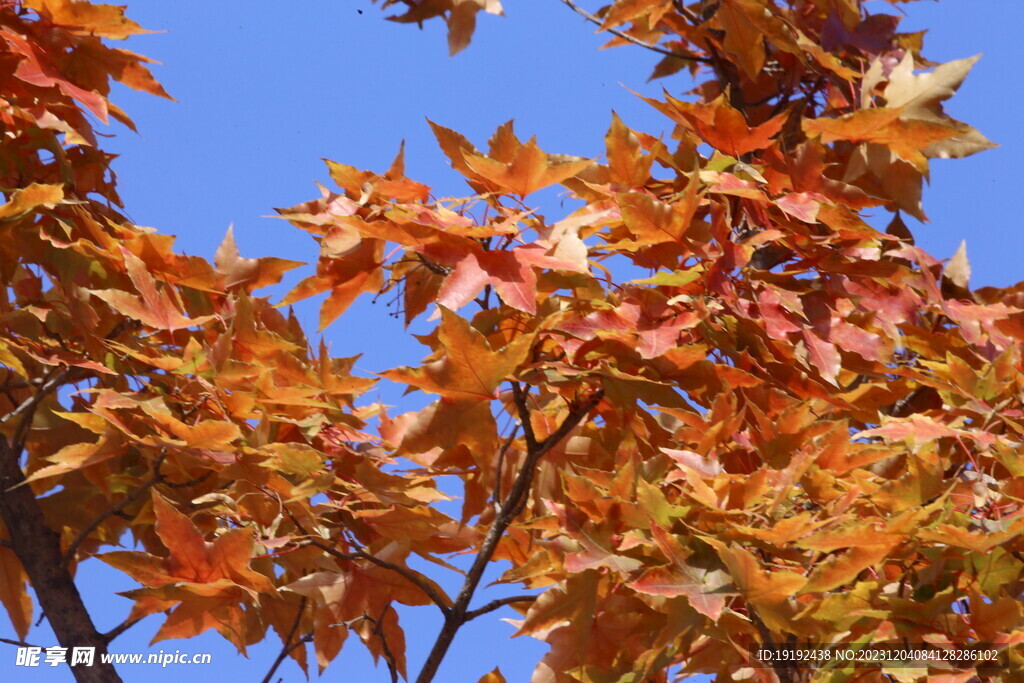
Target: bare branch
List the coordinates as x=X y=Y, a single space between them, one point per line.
x=120 y=628
x=288 y=646
x=19 y=643
x=524 y=416
x=501 y=464
x=636 y=41
x=497 y=604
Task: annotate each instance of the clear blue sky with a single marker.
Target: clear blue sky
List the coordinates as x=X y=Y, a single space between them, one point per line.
x=265 y=90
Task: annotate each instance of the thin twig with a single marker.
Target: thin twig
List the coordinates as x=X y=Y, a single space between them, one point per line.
x=288 y=646
x=53 y=380
x=436 y=597
x=497 y=604
x=27 y=409
x=378 y=630
x=121 y=628
x=686 y=12
x=134 y=495
x=427 y=589
x=117 y=510
x=524 y=416
x=19 y=643
x=636 y=41
x=501 y=464
x=34 y=399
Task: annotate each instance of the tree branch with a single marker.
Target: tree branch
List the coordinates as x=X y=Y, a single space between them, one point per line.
x=359 y=553
x=636 y=41
x=121 y=628
x=38 y=548
x=378 y=630
x=288 y=646
x=497 y=604
x=53 y=380
x=27 y=410
x=455 y=618
x=434 y=596
x=501 y=464
x=19 y=643
x=135 y=494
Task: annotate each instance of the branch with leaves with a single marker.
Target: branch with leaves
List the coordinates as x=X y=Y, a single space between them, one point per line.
x=792 y=412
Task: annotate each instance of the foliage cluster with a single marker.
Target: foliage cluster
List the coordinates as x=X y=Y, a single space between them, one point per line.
x=796 y=428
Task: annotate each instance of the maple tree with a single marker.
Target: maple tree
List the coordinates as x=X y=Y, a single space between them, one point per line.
x=796 y=428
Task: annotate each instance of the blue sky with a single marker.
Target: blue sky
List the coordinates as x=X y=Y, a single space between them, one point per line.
x=265 y=90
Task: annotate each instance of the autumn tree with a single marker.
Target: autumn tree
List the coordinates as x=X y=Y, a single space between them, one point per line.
x=796 y=428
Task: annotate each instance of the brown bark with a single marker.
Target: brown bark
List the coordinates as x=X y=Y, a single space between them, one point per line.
x=38 y=548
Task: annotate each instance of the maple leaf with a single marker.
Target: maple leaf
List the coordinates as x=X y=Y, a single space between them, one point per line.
x=626 y=163
x=13 y=595
x=920 y=97
x=207 y=579
x=492 y=677
x=769 y=590
x=27 y=199
x=958 y=270
x=36 y=68
x=107 y=21
x=909 y=138
x=153 y=307
x=248 y=273
x=701 y=586
x=529 y=170
x=462 y=21
x=743 y=38
x=191 y=559
x=347 y=276
x=469 y=368
x=801 y=205
x=512 y=279
x=720 y=124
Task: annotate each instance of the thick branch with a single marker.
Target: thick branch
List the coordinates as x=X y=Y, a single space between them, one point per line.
x=38 y=548
x=636 y=41
x=510 y=508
